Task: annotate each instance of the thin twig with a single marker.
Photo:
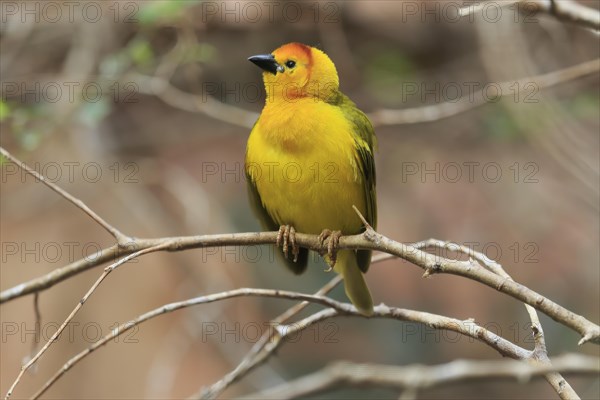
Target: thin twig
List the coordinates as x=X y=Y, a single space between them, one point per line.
x=120 y=237
x=416 y=377
x=60 y=274
x=478 y=7
x=168 y=308
x=563 y=10
x=175 y=97
x=255 y=355
x=55 y=336
x=540 y=354
x=205 y=104
x=436 y=112
x=38 y=323
x=335 y=308
x=159 y=85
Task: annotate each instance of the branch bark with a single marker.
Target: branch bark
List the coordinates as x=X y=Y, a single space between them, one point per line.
x=413 y=378
x=281 y=331
x=436 y=112
x=478 y=268
x=370 y=240
x=120 y=237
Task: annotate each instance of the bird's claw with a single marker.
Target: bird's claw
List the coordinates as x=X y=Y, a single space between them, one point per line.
x=287 y=233
x=332 y=245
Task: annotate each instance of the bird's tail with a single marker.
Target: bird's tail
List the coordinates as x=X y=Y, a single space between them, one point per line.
x=354 y=281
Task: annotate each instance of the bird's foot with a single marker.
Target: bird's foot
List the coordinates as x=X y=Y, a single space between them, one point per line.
x=332 y=245
x=286 y=238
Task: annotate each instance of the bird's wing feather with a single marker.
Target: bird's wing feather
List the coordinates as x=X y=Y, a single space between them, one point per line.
x=365 y=143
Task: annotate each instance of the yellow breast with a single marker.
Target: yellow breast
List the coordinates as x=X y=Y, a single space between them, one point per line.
x=301 y=155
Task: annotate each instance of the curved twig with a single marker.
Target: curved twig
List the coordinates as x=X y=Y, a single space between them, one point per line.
x=418 y=377
x=335 y=308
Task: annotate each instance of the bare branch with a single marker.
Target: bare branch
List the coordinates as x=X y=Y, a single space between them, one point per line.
x=38 y=321
x=468 y=102
x=540 y=354
x=492 y=275
x=159 y=85
x=120 y=237
x=563 y=10
x=168 y=308
x=468 y=269
x=60 y=274
x=257 y=354
x=262 y=349
x=478 y=7
x=164 y=90
x=207 y=105
x=419 y=377
x=55 y=336
x=372 y=240
x=335 y=308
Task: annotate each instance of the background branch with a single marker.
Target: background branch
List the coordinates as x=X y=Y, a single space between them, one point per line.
x=265 y=349
x=78 y=307
x=468 y=102
x=159 y=85
x=563 y=10
x=121 y=238
x=419 y=377
x=371 y=240
x=539 y=355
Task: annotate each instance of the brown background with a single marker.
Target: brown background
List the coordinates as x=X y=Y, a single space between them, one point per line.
x=545 y=225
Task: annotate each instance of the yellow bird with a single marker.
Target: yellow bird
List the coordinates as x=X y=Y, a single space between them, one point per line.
x=309 y=159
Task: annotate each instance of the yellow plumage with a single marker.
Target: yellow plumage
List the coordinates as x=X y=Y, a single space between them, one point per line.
x=309 y=158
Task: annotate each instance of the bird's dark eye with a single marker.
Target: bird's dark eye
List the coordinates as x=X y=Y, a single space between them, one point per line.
x=290 y=64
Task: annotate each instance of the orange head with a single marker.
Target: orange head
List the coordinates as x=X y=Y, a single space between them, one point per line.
x=296 y=70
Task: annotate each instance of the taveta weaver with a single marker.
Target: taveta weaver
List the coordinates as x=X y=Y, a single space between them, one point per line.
x=309 y=159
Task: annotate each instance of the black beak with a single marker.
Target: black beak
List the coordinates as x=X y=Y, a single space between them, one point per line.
x=266 y=62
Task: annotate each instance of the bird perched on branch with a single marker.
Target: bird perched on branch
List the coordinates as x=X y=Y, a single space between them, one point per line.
x=309 y=159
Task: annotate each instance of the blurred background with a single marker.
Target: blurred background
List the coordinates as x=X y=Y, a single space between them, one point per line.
x=142 y=110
